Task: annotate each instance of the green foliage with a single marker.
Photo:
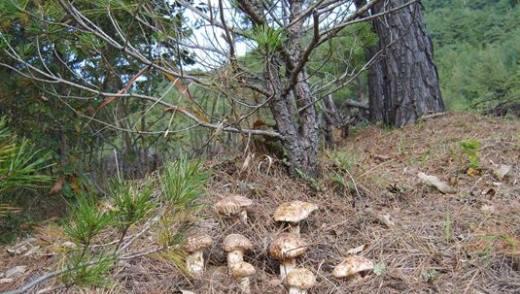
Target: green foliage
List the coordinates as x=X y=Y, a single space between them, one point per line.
x=267 y=38
x=132 y=203
x=182 y=183
x=342 y=159
x=344 y=53
x=42 y=32
x=87 y=270
x=83 y=267
x=86 y=221
x=21 y=165
x=477 y=45
x=343 y=162
x=87 y=267
x=471 y=149
x=380 y=268
x=22 y=168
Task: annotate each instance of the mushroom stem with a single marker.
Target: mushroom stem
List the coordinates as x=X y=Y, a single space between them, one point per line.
x=234 y=257
x=195 y=263
x=286 y=267
x=294 y=290
x=244 y=285
x=355 y=278
x=243 y=216
x=295 y=229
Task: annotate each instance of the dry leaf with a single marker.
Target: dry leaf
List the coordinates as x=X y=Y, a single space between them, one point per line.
x=247 y=161
x=16 y=271
x=357 y=250
x=436 y=183
x=488 y=208
x=58 y=186
x=472 y=172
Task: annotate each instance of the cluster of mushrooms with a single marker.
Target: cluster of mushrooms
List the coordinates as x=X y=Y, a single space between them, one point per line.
x=286 y=248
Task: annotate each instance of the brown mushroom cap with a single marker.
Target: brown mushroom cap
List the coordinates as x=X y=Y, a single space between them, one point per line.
x=287 y=246
x=236 y=242
x=352 y=265
x=242 y=270
x=294 y=211
x=301 y=278
x=197 y=242
x=232 y=205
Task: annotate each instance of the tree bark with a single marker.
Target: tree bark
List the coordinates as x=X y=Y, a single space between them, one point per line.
x=375 y=76
x=291 y=100
x=294 y=111
x=403 y=83
x=376 y=82
x=300 y=136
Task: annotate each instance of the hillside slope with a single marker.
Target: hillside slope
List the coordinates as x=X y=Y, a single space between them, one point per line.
x=421 y=240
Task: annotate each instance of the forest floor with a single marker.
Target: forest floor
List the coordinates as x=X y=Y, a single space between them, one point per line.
x=420 y=240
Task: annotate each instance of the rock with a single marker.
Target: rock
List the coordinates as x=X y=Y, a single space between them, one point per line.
x=501 y=171
x=69 y=245
x=433 y=181
x=16 y=271
x=17 y=250
x=6 y=280
x=22 y=247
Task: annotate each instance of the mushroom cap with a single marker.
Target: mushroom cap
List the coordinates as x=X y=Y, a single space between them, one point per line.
x=294 y=211
x=287 y=246
x=232 y=205
x=301 y=278
x=242 y=270
x=352 y=265
x=197 y=242
x=236 y=242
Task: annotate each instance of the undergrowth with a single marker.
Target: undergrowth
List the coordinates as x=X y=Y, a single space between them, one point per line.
x=91 y=257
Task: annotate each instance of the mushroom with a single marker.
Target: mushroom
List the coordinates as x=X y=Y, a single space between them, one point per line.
x=242 y=271
x=235 y=245
x=300 y=280
x=353 y=267
x=195 y=246
x=234 y=205
x=285 y=249
x=293 y=213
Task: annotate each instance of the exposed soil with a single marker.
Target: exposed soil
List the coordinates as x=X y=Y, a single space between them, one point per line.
x=465 y=242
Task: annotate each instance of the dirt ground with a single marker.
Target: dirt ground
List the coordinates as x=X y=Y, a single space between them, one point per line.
x=420 y=240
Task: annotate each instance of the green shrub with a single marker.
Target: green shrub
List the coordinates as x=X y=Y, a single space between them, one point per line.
x=129 y=203
x=21 y=165
x=182 y=183
x=471 y=149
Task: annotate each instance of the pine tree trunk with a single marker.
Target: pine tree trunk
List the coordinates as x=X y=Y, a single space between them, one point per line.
x=300 y=135
x=292 y=102
x=375 y=76
x=404 y=83
x=376 y=93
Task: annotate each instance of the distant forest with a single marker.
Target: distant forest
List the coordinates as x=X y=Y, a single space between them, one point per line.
x=477 y=51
